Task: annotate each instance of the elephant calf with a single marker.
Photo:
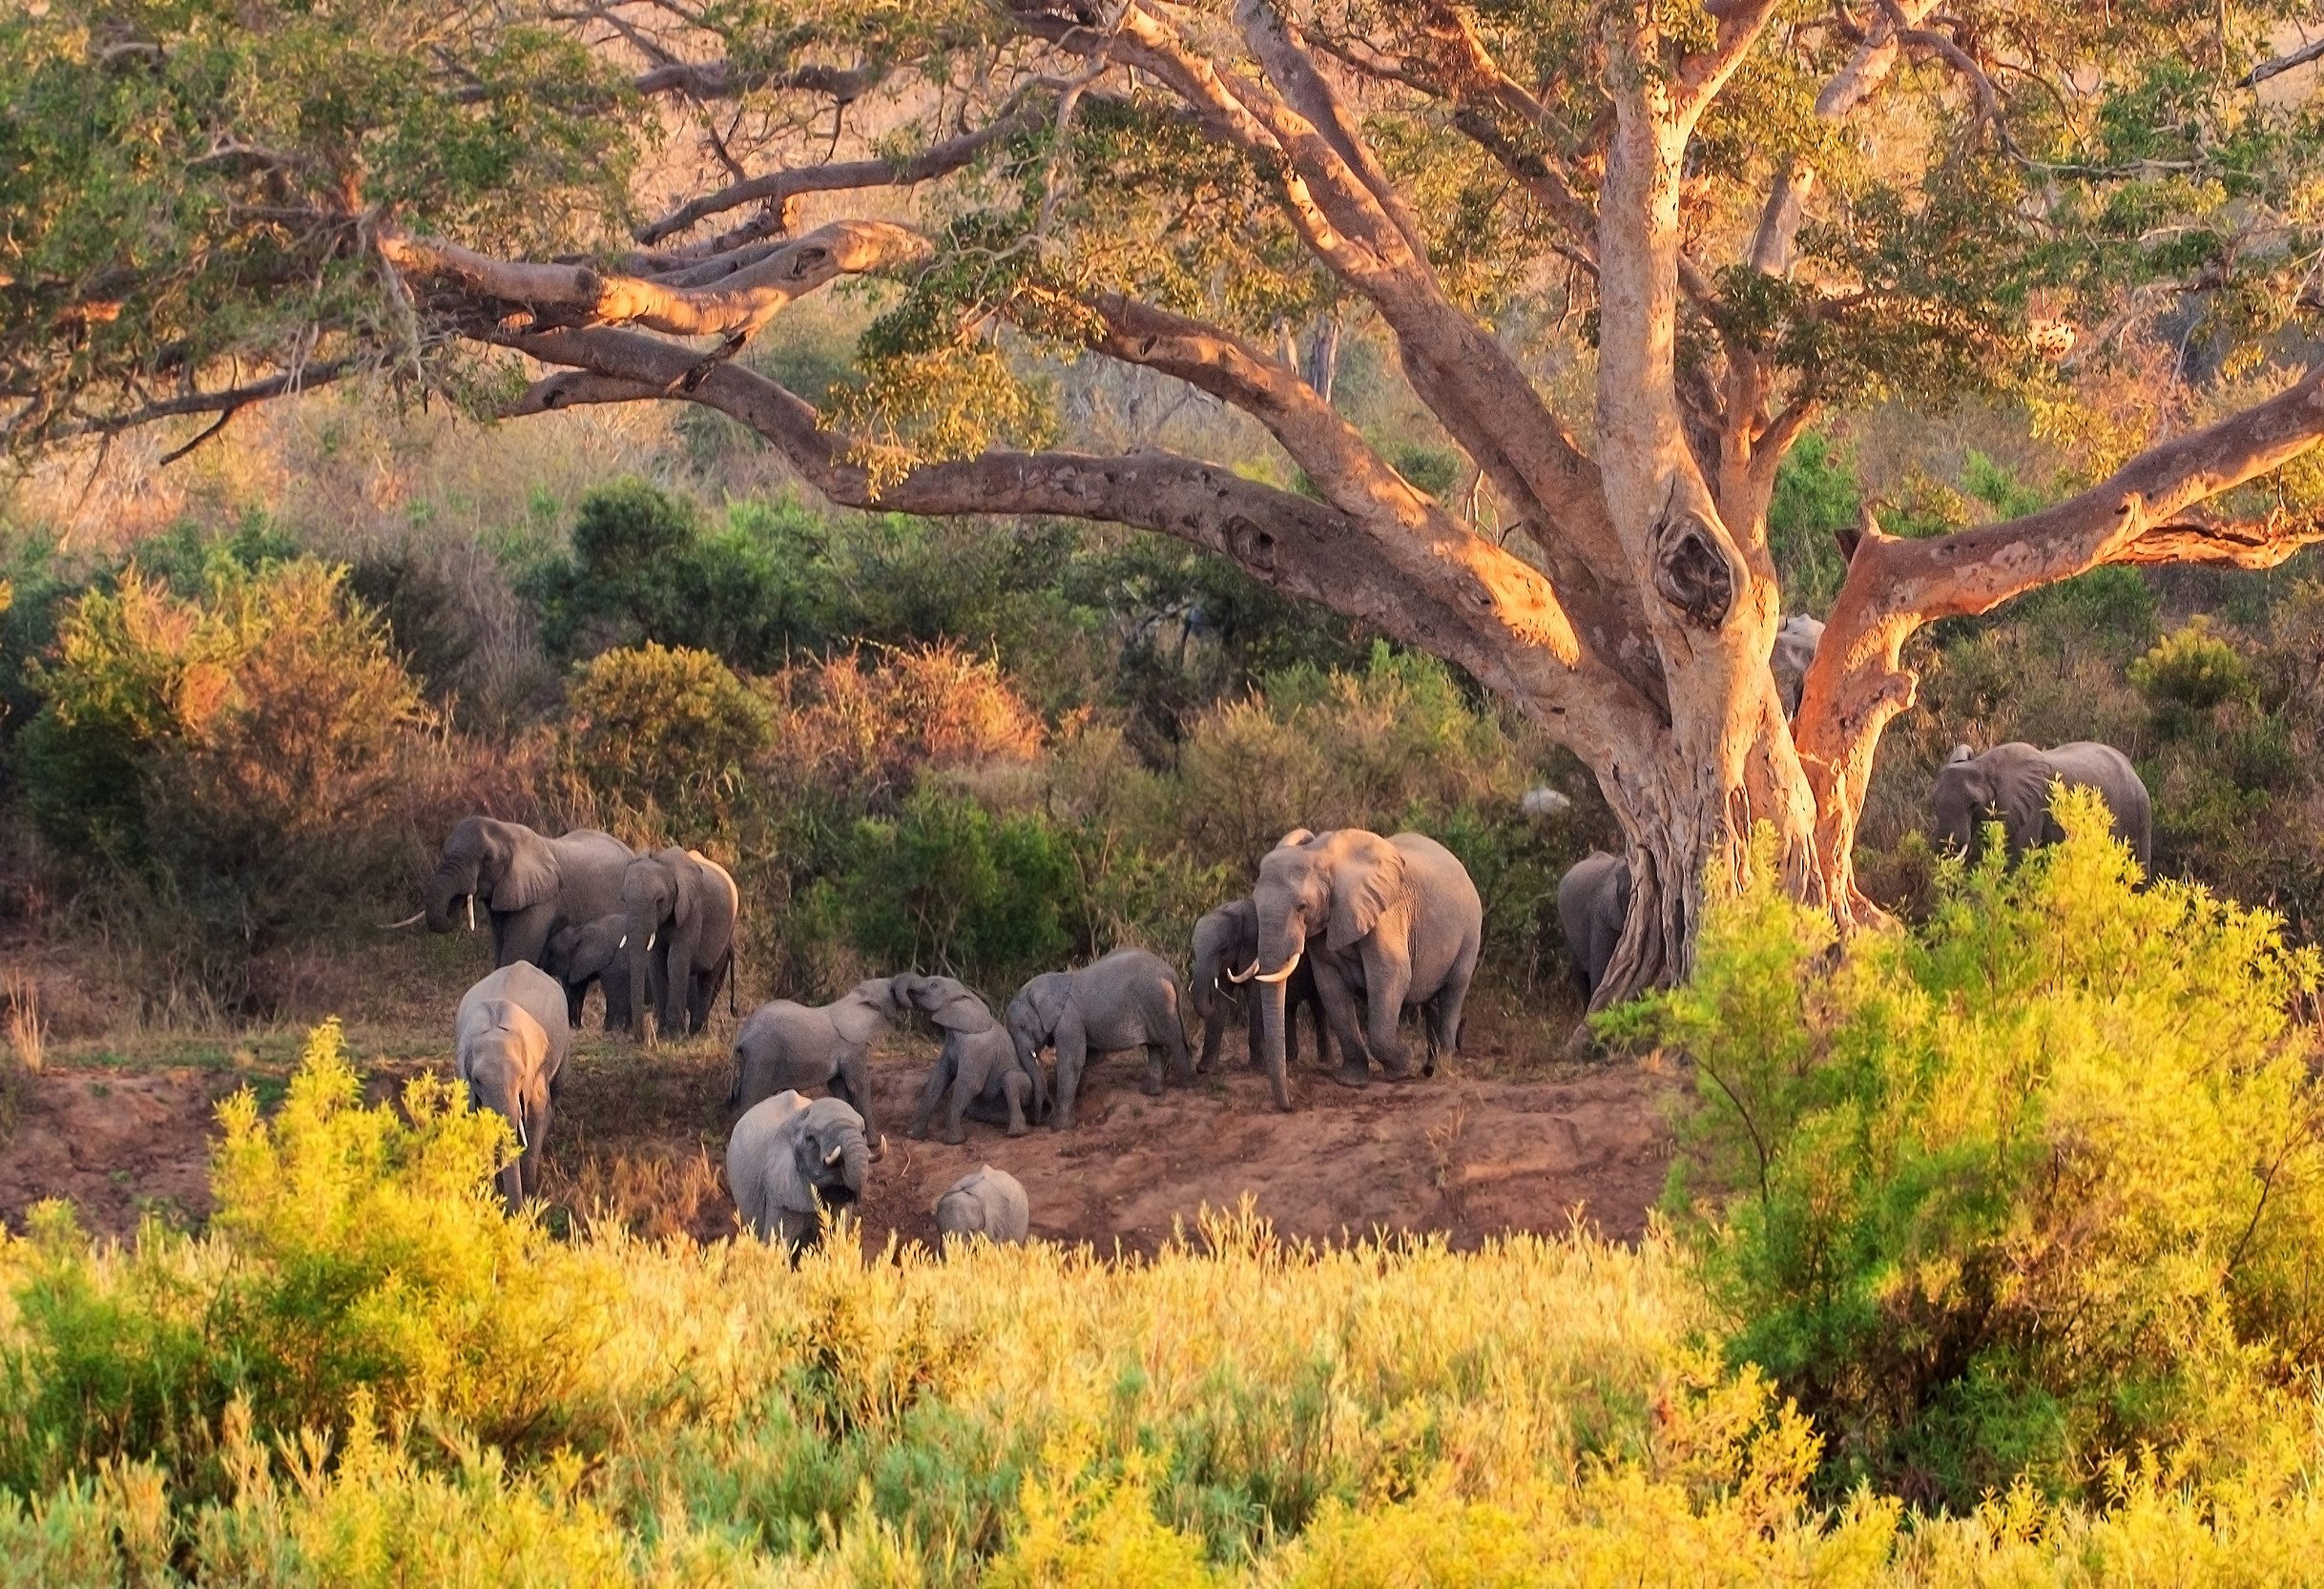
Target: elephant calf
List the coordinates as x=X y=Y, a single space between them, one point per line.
x=1128 y=1000
x=1226 y=941
x=979 y=1066
x=589 y=955
x=989 y=1203
x=786 y=1045
x=2013 y=783
x=510 y=1044
x=792 y=1164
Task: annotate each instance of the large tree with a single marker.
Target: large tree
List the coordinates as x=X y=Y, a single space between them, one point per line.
x=1761 y=210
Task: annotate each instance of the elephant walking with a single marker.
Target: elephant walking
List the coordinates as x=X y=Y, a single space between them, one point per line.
x=1225 y=940
x=589 y=955
x=1390 y=923
x=509 y=1043
x=2012 y=784
x=1127 y=999
x=791 y=1162
x=784 y=1045
x=979 y=1066
x=988 y=1202
x=681 y=907
x=532 y=884
x=1593 y=900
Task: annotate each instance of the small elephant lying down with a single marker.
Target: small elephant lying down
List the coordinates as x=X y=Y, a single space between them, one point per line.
x=790 y=1163
x=509 y=1043
x=980 y=1067
x=1128 y=1000
x=827 y=1047
x=989 y=1203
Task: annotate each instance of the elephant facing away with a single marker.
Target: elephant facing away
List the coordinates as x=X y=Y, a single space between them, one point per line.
x=590 y=954
x=1388 y=922
x=784 y=1045
x=1593 y=897
x=2012 y=784
x=681 y=908
x=1226 y=941
x=1791 y=656
x=510 y=1044
x=988 y=1202
x=1127 y=999
x=531 y=884
x=790 y=1163
x=979 y=1068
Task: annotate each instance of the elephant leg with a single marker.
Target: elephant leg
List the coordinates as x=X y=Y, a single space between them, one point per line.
x=1174 y=1042
x=1386 y=985
x=536 y=1128
x=1214 y=1030
x=940 y=1077
x=1072 y=1056
x=522 y=935
x=1254 y=1055
x=1018 y=1088
x=967 y=1083
x=1317 y=1022
x=1444 y=1030
x=677 y=983
x=1339 y=1014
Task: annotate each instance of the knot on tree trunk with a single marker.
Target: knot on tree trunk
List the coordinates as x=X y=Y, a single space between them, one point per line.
x=1691 y=570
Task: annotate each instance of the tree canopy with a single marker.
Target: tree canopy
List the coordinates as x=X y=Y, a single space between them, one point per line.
x=1627 y=252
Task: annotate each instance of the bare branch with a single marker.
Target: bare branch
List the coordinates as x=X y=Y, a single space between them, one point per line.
x=719 y=80
x=224 y=402
x=2281 y=64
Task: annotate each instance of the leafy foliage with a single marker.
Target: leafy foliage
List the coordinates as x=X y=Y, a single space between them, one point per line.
x=668 y=739
x=2022 y=1193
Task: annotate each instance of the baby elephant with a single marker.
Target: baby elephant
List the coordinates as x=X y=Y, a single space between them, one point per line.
x=1128 y=1000
x=990 y=1204
x=980 y=1065
x=511 y=1042
x=784 y=1046
x=790 y=1162
x=591 y=953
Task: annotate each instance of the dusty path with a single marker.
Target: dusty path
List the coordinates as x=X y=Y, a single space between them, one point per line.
x=641 y=1136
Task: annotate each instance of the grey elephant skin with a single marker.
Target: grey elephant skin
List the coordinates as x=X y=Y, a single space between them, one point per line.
x=1127 y=999
x=531 y=884
x=509 y=1043
x=988 y=1202
x=799 y=1047
x=978 y=1074
x=791 y=1162
x=1593 y=897
x=1226 y=943
x=1388 y=923
x=1791 y=656
x=592 y=955
x=681 y=908
x=2012 y=784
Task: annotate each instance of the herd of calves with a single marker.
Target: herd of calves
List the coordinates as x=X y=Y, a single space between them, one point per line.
x=1356 y=929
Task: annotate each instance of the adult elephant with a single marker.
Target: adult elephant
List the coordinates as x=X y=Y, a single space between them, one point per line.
x=2013 y=784
x=1592 y=898
x=532 y=884
x=509 y=1041
x=784 y=1046
x=792 y=1163
x=1227 y=939
x=1388 y=922
x=681 y=907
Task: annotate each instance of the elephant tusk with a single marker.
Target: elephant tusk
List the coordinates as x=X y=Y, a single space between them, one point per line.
x=471 y=913
x=833 y=1156
x=412 y=920
x=523 y=1143
x=649 y=938
x=1239 y=978
x=1283 y=976
x=624 y=943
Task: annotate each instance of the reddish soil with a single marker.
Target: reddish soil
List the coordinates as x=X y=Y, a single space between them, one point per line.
x=639 y=1138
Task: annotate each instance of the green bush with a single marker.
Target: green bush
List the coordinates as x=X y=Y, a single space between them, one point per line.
x=667 y=740
x=1817 y=495
x=2029 y=1191
x=2193 y=669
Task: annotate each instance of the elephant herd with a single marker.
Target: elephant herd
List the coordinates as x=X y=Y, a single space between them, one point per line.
x=1353 y=927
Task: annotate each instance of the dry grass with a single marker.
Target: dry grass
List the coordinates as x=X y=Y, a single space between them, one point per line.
x=28 y=1034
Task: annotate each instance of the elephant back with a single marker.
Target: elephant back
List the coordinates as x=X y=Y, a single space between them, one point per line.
x=590 y=866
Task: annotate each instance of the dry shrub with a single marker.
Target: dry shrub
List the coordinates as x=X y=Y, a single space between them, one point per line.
x=27 y=1032
x=867 y=731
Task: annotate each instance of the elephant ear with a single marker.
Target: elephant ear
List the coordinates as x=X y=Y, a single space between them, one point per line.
x=1960 y=753
x=687 y=903
x=1296 y=835
x=1044 y=998
x=531 y=876
x=1366 y=886
x=952 y=1006
x=858 y=1015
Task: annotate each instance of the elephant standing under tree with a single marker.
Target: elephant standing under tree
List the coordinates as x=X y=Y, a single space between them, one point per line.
x=510 y=1044
x=790 y=1163
x=2013 y=783
x=681 y=907
x=591 y=954
x=988 y=1202
x=1792 y=655
x=979 y=1066
x=1388 y=922
x=530 y=883
x=1127 y=999
x=787 y=1047
x=1225 y=940
x=1592 y=898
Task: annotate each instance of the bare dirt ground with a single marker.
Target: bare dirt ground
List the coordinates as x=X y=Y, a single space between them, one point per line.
x=121 y=1121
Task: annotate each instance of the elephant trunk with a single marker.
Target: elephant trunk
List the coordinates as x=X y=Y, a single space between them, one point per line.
x=1280 y=946
x=511 y=1180
x=855 y=1164
x=452 y=883
x=641 y=936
